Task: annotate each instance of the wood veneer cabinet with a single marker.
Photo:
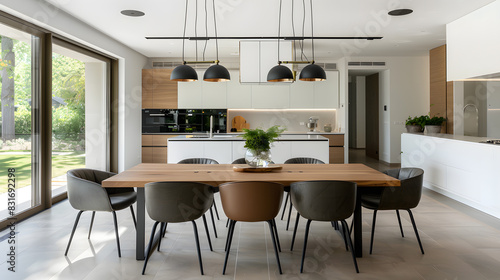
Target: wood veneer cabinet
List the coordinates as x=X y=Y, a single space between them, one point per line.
x=336 y=147
x=441 y=92
x=155 y=148
x=158 y=91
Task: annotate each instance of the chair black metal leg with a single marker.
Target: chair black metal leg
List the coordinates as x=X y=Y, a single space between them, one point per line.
x=228 y=246
x=133 y=216
x=150 y=247
x=373 y=230
x=352 y=225
x=208 y=233
x=73 y=231
x=227 y=222
x=195 y=229
x=164 y=230
x=308 y=224
x=216 y=212
x=345 y=229
x=342 y=233
x=295 y=230
x=399 y=221
x=117 y=235
x=229 y=234
x=270 y=222
x=213 y=222
x=163 y=227
x=284 y=207
x=289 y=214
x=416 y=231
x=276 y=234
x=91 y=223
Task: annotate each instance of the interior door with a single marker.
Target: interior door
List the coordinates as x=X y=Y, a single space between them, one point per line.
x=372 y=97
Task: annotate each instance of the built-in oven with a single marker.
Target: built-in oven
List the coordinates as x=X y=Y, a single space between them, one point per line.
x=159 y=120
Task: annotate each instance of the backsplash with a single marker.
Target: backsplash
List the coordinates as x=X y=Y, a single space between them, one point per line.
x=289 y=118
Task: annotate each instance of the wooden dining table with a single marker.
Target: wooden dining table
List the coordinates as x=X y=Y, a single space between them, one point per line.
x=215 y=174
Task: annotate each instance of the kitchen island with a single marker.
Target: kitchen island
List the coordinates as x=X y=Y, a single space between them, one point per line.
x=225 y=148
x=460 y=167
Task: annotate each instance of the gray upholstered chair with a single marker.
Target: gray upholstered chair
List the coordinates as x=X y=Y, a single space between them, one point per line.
x=198 y=161
x=239 y=161
x=405 y=197
x=177 y=202
x=327 y=201
x=297 y=160
x=85 y=193
x=251 y=202
x=205 y=161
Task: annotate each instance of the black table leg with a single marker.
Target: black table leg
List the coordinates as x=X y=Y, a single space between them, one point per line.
x=358 y=231
x=140 y=231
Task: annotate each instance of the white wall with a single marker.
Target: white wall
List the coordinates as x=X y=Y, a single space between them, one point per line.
x=130 y=66
x=472 y=44
x=360 y=112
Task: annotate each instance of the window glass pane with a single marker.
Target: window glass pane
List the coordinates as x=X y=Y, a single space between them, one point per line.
x=17 y=94
x=79 y=120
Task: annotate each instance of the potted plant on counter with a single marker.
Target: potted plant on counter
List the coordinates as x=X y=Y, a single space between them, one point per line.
x=433 y=125
x=415 y=124
x=258 y=144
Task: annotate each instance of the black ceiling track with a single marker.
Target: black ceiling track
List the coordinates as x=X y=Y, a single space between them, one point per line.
x=262 y=38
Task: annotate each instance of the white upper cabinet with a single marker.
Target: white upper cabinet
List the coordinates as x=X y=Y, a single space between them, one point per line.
x=258 y=57
x=326 y=93
x=214 y=95
x=189 y=93
x=239 y=96
x=271 y=96
x=201 y=94
x=302 y=95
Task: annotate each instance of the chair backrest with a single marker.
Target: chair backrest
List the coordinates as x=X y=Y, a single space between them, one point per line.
x=251 y=201
x=324 y=200
x=198 y=161
x=239 y=161
x=304 y=160
x=406 y=196
x=85 y=191
x=175 y=202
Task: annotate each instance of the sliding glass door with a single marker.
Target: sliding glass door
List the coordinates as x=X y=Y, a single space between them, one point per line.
x=19 y=83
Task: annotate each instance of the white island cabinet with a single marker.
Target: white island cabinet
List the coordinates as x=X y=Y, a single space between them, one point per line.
x=227 y=148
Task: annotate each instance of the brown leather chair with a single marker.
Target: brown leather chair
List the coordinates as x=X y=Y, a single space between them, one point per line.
x=297 y=160
x=405 y=197
x=251 y=202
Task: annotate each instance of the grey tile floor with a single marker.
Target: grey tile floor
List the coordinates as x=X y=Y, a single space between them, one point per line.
x=459 y=243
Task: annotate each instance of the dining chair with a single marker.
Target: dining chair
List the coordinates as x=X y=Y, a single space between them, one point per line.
x=251 y=202
x=177 y=202
x=243 y=161
x=297 y=160
x=326 y=201
x=405 y=197
x=85 y=193
x=205 y=161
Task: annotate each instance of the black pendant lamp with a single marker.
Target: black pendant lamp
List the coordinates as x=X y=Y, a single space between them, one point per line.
x=312 y=72
x=184 y=73
x=216 y=72
x=280 y=73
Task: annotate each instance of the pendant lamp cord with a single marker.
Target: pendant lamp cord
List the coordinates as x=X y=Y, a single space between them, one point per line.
x=206 y=30
x=312 y=30
x=196 y=28
x=279 y=33
x=184 y=33
x=216 y=41
x=293 y=32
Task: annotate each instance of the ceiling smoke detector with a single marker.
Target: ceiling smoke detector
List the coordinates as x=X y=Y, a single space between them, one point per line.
x=132 y=13
x=400 y=12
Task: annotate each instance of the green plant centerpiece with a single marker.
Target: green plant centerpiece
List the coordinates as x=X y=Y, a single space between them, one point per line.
x=415 y=124
x=258 y=143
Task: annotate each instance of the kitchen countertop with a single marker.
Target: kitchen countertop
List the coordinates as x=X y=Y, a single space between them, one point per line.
x=239 y=133
x=464 y=138
x=234 y=137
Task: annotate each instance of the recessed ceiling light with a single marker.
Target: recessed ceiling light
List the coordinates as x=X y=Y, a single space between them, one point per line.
x=132 y=13
x=400 y=12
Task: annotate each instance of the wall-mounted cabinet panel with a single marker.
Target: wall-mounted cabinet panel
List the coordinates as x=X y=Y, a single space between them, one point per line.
x=249 y=62
x=190 y=93
x=147 y=88
x=239 y=96
x=326 y=93
x=158 y=91
x=270 y=96
x=214 y=95
x=302 y=95
x=258 y=57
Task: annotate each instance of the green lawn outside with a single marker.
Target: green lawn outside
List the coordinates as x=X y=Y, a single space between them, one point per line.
x=22 y=164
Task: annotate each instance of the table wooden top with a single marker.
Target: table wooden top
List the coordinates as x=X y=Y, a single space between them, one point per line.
x=215 y=174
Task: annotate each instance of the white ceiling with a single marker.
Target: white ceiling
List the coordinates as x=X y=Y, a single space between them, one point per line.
x=413 y=34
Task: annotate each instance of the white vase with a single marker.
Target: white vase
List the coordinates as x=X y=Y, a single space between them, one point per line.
x=258 y=158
